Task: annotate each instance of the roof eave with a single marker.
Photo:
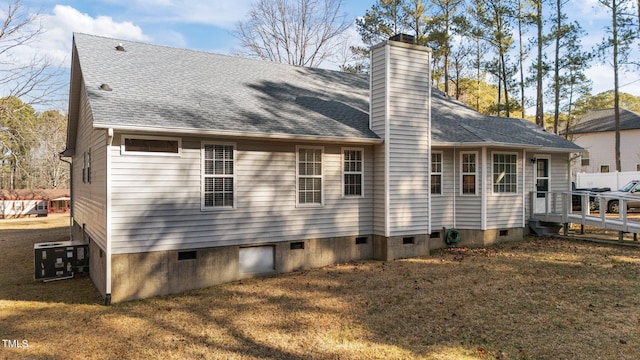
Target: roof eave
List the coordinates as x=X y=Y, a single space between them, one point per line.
x=243 y=134
x=504 y=145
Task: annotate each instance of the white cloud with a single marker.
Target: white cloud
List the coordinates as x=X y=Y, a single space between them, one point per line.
x=60 y=25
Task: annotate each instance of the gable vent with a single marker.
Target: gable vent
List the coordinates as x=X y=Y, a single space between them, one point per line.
x=105 y=87
x=120 y=47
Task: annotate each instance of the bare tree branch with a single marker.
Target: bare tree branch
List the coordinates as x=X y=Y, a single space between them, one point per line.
x=296 y=32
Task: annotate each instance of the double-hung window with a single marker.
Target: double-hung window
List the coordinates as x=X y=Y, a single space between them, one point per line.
x=352 y=170
x=505 y=173
x=309 y=174
x=218 y=173
x=436 y=173
x=468 y=172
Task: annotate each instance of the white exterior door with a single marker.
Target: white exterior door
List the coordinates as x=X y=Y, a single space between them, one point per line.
x=541 y=183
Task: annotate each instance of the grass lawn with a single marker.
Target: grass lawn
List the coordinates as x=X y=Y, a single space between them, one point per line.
x=536 y=299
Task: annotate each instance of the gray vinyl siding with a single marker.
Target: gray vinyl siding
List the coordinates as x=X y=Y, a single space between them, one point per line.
x=156 y=199
x=442 y=204
x=560 y=179
x=407 y=143
x=89 y=199
x=378 y=118
x=468 y=208
x=504 y=210
x=560 y=172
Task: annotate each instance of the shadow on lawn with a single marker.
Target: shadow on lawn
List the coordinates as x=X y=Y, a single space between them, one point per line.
x=536 y=300
x=17 y=270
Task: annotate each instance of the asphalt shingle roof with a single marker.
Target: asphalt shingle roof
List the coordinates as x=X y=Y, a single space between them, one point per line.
x=603 y=120
x=161 y=87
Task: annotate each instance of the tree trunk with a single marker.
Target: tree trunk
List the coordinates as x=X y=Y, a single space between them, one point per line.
x=616 y=94
x=539 y=99
x=521 y=57
x=556 y=70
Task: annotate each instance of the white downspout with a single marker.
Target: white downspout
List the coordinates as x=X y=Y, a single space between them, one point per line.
x=455 y=187
x=484 y=189
x=108 y=215
x=429 y=146
x=524 y=187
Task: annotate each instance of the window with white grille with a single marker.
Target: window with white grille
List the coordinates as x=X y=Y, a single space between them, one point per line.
x=218 y=180
x=309 y=173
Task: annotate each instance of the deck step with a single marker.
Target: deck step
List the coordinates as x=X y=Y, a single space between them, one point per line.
x=544 y=228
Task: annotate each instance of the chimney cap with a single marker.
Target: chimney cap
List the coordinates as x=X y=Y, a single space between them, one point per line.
x=404 y=38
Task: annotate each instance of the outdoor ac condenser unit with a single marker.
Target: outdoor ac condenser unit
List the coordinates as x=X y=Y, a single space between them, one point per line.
x=60 y=260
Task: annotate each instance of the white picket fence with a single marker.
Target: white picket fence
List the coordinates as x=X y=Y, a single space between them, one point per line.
x=613 y=180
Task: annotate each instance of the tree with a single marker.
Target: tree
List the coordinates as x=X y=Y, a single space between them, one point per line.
x=496 y=19
x=48 y=134
x=296 y=32
x=31 y=79
x=442 y=28
x=617 y=44
x=605 y=100
x=570 y=62
x=15 y=141
x=539 y=65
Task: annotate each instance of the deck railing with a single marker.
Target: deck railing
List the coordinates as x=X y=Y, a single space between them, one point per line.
x=557 y=206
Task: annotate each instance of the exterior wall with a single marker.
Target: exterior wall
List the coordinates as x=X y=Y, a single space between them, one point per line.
x=89 y=199
x=156 y=200
x=378 y=116
x=400 y=113
x=468 y=208
x=560 y=179
x=479 y=238
x=442 y=205
x=22 y=208
x=141 y=275
x=601 y=148
x=504 y=210
x=398 y=247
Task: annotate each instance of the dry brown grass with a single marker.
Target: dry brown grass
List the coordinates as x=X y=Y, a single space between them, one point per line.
x=537 y=299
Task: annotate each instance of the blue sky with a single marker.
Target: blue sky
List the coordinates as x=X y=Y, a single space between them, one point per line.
x=206 y=25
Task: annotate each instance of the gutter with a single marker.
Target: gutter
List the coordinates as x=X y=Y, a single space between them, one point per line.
x=241 y=134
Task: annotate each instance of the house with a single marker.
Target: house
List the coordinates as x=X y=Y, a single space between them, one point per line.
x=192 y=169
x=595 y=132
x=37 y=202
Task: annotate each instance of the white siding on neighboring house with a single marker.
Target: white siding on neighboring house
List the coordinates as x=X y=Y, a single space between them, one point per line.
x=89 y=205
x=156 y=199
x=601 y=148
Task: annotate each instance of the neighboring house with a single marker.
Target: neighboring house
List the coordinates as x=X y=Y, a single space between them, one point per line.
x=24 y=203
x=192 y=169
x=595 y=132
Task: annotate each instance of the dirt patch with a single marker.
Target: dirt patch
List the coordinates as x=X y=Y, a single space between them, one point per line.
x=536 y=299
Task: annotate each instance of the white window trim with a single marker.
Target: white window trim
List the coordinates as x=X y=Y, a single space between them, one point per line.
x=441 y=173
x=298 y=204
x=202 y=176
x=516 y=167
x=462 y=153
x=585 y=156
x=123 y=151
x=350 y=172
